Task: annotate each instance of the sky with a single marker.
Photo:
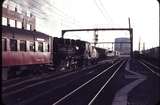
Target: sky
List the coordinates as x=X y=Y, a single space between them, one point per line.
x=54 y=15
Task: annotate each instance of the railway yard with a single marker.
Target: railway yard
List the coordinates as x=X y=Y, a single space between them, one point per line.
x=51 y=58
x=122 y=82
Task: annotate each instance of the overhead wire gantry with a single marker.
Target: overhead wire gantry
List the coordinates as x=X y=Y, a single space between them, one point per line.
x=107 y=29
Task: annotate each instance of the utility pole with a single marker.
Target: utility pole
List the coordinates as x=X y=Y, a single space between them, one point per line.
x=143 y=46
x=112 y=46
x=139 y=45
x=131 y=37
x=95 y=37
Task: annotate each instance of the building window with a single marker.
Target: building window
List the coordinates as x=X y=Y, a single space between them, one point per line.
x=22 y=45
x=32 y=46
x=4 y=21
x=4 y=44
x=12 y=5
x=19 y=9
x=28 y=27
x=12 y=23
x=40 y=46
x=13 y=45
x=28 y=13
x=5 y=3
x=46 y=47
x=19 y=24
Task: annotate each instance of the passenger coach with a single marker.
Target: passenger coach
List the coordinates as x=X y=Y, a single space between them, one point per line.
x=23 y=49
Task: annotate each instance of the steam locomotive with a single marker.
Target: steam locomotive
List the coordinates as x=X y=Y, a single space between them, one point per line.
x=25 y=52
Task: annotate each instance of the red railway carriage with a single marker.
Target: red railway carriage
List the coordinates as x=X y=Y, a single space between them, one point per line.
x=22 y=48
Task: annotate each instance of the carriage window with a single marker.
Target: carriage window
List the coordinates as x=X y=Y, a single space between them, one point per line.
x=4 y=44
x=46 y=47
x=40 y=46
x=32 y=46
x=4 y=21
x=19 y=24
x=22 y=45
x=13 y=45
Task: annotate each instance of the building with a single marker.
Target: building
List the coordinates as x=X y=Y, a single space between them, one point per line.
x=122 y=45
x=14 y=16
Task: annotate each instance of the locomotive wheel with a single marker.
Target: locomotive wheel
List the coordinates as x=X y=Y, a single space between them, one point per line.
x=63 y=66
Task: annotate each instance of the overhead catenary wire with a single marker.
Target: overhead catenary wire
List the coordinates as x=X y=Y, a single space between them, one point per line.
x=44 y=11
x=101 y=11
x=105 y=11
x=62 y=14
x=106 y=15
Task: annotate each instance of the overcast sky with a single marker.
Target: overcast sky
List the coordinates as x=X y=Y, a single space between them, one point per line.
x=55 y=15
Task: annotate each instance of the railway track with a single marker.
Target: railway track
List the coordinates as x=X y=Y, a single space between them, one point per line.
x=95 y=85
x=148 y=92
x=150 y=64
x=19 y=80
x=88 y=92
x=23 y=83
x=153 y=68
x=17 y=84
x=15 y=93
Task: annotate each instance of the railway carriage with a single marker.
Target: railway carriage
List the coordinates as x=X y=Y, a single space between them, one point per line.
x=23 y=49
